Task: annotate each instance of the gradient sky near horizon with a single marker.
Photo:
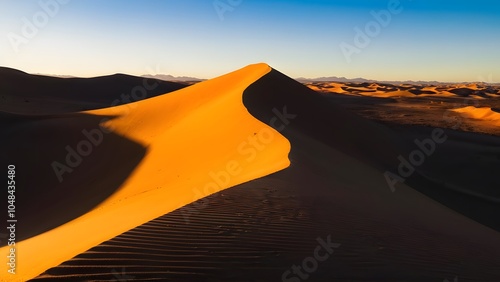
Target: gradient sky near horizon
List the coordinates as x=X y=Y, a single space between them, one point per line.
x=429 y=40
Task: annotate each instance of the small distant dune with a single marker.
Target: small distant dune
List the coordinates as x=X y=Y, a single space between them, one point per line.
x=462 y=91
x=417 y=91
x=483 y=114
x=327 y=87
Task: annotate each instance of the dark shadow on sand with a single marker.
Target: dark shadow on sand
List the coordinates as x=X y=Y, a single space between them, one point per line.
x=33 y=144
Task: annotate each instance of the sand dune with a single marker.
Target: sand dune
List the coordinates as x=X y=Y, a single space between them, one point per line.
x=482 y=114
x=149 y=201
x=330 y=87
x=23 y=93
x=334 y=186
x=188 y=144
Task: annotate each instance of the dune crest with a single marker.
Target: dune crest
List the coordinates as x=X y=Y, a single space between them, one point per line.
x=186 y=159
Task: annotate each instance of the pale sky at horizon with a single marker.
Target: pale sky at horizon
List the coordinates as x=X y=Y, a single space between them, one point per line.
x=450 y=41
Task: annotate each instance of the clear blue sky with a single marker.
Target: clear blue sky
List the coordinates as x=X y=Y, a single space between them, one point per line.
x=427 y=40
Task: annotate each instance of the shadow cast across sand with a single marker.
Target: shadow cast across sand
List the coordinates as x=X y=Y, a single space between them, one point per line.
x=65 y=166
x=316 y=116
x=319 y=125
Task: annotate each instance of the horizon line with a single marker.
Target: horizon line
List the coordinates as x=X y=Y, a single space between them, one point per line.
x=300 y=78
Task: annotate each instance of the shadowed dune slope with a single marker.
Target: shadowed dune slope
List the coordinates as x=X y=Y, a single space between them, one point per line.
x=259 y=230
x=378 y=147
x=24 y=93
x=177 y=148
x=313 y=115
x=43 y=201
x=333 y=189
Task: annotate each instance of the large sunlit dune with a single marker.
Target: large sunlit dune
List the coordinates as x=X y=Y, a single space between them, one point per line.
x=197 y=141
x=336 y=187
x=140 y=189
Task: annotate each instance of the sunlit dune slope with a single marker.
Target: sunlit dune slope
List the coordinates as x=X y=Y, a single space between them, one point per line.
x=482 y=114
x=163 y=153
x=327 y=87
x=24 y=93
